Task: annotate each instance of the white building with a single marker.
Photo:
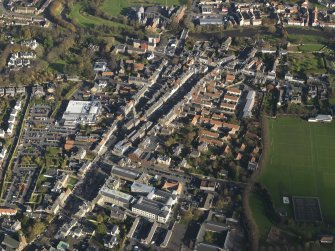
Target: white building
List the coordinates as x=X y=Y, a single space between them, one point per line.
x=10 y=129
x=82 y=112
x=321 y=118
x=247 y=110
x=151 y=209
x=3 y=153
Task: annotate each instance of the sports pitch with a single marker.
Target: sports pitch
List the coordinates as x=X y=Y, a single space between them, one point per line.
x=301 y=162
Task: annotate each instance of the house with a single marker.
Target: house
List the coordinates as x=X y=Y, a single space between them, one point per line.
x=38 y=91
x=228 y=107
x=11 y=119
x=206 y=203
x=110 y=242
x=233 y=91
x=10 y=91
x=100 y=66
x=113 y=230
x=233 y=129
x=207 y=185
x=8 y=211
x=164 y=160
x=3 y=155
x=229 y=98
x=154 y=38
x=10 y=129
x=230 y=78
x=10 y=243
x=327 y=239
x=25 y=10
x=20 y=90
x=252 y=165
x=120 y=48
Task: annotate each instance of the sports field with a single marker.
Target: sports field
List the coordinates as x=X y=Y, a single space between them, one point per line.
x=301 y=162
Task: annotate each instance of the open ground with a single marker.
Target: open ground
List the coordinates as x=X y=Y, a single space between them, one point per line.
x=300 y=162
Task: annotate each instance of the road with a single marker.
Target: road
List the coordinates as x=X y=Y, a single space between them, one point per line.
x=17 y=134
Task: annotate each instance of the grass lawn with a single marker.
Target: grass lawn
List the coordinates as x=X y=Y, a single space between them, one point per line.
x=58 y=65
x=258 y=209
x=301 y=162
x=83 y=19
x=114 y=7
x=307 y=63
x=310 y=47
x=305 y=39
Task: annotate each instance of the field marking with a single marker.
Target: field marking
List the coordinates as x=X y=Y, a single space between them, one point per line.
x=314 y=164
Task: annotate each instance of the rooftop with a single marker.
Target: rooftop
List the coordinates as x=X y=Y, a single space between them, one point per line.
x=115 y=194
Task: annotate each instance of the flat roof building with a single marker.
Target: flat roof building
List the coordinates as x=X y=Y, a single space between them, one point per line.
x=81 y=112
x=321 y=118
x=151 y=209
x=125 y=174
x=247 y=110
x=115 y=197
x=141 y=188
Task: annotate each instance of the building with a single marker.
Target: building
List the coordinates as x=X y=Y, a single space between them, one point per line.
x=100 y=66
x=151 y=209
x=164 y=160
x=321 y=118
x=247 y=110
x=211 y=21
x=125 y=174
x=115 y=197
x=327 y=239
x=207 y=185
x=82 y=112
x=141 y=188
x=25 y=10
x=7 y=211
x=9 y=243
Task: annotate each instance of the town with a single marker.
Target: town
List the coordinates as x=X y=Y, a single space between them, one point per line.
x=158 y=140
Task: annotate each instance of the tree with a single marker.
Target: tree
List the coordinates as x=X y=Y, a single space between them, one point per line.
x=271 y=29
x=189 y=24
x=101 y=229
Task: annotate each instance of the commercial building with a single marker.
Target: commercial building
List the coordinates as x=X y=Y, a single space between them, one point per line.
x=151 y=209
x=115 y=197
x=82 y=112
x=125 y=174
x=247 y=110
x=141 y=188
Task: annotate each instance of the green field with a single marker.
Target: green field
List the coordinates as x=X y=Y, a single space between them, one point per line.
x=83 y=19
x=114 y=7
x=307 y=63
x=306 y=39
x=310 y=47
x=258 y=207
x=301 y=162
